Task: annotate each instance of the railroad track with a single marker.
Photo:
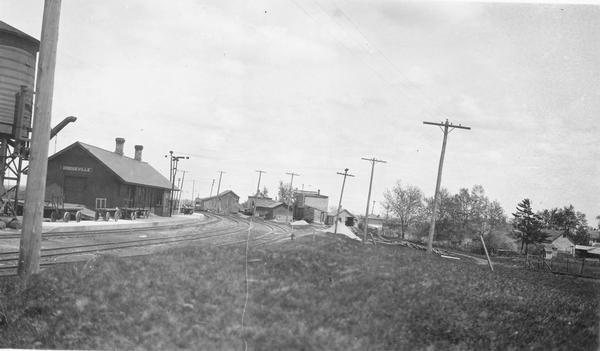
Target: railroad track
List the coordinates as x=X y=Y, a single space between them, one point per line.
x=73 y=253
x=271 y=237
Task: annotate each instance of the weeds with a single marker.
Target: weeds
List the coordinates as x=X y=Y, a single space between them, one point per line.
x=323 y=294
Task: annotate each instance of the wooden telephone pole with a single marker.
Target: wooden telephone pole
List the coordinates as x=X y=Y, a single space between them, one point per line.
x=218 y=192
x=448 y=127
x=345 y=174
x=372 y=160
x=31 y=233
x=260 y=172
x=211 y=188
x=174 y=160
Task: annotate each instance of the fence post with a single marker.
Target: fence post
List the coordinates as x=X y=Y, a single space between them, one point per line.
x=582 y=265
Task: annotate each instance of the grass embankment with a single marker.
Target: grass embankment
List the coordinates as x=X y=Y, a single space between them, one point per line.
x=331 y=294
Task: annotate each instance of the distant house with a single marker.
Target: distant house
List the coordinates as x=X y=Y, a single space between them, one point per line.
x=311 y=206
x=559 y=244
x=587 y=251
x=269 y=209
x=375 y=222
x=226 y=202
x=97 y=178
x=344 y=217
x=252 y=199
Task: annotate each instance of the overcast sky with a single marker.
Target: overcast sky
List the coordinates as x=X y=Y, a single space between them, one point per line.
x=311 y=86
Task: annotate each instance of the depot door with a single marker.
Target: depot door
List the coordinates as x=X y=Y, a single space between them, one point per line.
x=74 y=190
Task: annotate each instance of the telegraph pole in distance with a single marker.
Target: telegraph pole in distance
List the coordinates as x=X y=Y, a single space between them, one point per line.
x=260 y=172
x=31 y=232
x=372 y=160
x=173 y=173
x=180 y=192
x=345 y=174
x=218 y=191
x=448 y=127
x=291 y=190
x=373 y=208
x=211 y=187
x=193 y=200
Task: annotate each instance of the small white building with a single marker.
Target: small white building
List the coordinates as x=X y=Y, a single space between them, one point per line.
x=344 y=217
x=560 y=245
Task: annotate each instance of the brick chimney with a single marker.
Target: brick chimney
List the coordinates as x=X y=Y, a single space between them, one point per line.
x=138 y=152
x=119 y=143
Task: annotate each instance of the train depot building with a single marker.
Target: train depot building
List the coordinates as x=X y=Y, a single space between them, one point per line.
x=97 y=178
x=226 y=202
x=267 y=208
x=310 y=206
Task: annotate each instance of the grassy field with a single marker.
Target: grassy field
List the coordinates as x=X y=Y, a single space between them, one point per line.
x=328 y=294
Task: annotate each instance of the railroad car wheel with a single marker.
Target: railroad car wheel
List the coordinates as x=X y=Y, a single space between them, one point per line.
x=146 y=214
x=107 y=216
x=78 y=216
x=66 y=217
x=96 y=215
x=132 y=216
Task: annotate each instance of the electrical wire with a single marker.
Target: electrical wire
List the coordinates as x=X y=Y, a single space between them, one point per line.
x=406 y=91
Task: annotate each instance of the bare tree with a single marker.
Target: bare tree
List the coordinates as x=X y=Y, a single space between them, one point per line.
x=405 y=202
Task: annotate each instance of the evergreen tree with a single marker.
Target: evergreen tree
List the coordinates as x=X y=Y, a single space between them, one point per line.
x=528 y=225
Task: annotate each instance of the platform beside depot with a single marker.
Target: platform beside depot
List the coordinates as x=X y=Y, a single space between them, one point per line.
x=140 y=223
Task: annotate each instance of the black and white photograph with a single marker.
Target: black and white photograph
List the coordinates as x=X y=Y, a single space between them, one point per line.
x=299 y=175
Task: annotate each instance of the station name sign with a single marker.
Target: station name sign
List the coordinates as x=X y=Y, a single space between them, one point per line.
x=77 y=169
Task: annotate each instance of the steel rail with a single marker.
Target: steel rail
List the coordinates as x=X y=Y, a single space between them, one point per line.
x=113 y=246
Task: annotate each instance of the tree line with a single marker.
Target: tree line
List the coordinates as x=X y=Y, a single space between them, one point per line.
x=461 y=217
x=534 y=228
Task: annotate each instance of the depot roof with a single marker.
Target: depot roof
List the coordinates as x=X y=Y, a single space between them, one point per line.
x=129 y=170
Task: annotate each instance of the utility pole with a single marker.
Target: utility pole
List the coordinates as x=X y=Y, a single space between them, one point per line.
x=373 y=208
x=260 y=172
x=291 y=190
x=372 y=160
x=218 y=192
x=31 y=232
x=211 y=187
x=448 y=127
x=180 y=192
x=193 y=200
x=345 y=174
x=172 y=174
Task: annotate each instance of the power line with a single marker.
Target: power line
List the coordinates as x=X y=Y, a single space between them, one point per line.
x=446 y=131
x=423 y=104
x=372 y=160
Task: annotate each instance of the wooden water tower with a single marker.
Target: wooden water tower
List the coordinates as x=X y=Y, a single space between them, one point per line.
x=18 y=52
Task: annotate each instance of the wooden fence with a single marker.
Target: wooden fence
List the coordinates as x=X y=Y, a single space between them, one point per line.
x=582 y=267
